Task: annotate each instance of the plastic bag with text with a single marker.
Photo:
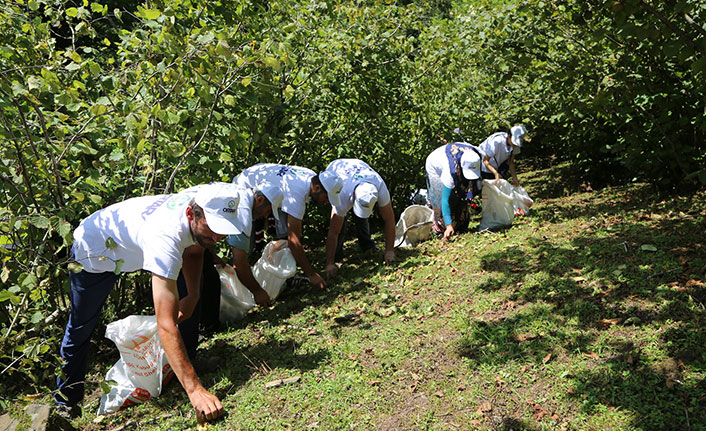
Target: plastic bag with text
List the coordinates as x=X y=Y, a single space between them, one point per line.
x=142 y=370
x=521 y=201
x=498 y=210
x=414 y=225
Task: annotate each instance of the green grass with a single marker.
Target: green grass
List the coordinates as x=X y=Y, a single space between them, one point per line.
x=564 y=321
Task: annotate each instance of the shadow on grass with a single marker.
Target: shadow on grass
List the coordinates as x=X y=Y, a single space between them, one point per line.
x=603 y=290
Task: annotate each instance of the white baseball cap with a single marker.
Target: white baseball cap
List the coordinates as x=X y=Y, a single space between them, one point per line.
x=366 y=194
x=517 y=133
x=470 y=165
x=333 y=184
x=274 y=195
x=219 y=202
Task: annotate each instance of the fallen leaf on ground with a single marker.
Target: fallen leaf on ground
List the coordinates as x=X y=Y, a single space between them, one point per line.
x=280 y=382
x=439 y=394
x=547 y=358
x=485 y=406
x=592 y=355
x=608 y=322
x=374 y=382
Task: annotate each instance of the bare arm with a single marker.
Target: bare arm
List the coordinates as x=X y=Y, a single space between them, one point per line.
x=294 y=229
x=334 y=229
x=486 y=162
x=245 y=275
x=166 y=306
x=191 y=268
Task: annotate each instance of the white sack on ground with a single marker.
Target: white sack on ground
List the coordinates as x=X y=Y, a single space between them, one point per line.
x=142 y=370
x=414 y=225
x=271 y=272
x=498 y=210
x=521 y=201
x=274 y=267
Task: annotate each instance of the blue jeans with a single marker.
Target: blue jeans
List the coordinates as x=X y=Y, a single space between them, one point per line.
x=89 y=291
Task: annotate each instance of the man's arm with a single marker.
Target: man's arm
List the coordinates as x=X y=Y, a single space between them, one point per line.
x=245 y=275
x=191 y=268
x=294 y=232
x=334 y=229
x=511 y=165
x=388 y=217
x=166 y=306
x=486 y=162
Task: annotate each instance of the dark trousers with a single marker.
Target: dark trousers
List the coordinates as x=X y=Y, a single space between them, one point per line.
x=503 y=170
x=362 y=229
x=89 y=291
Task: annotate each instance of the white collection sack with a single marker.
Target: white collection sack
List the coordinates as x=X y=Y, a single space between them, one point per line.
x=271 y=271
x=498 y=210
x=414 y=225
x=142 y=370
x=521 y=201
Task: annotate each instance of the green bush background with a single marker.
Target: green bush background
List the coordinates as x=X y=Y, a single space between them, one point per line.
x=102 y=101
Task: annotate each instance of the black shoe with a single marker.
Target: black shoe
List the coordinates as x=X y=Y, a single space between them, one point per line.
x=68 y=411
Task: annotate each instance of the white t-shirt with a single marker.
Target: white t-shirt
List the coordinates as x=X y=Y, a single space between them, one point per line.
x=496 y=148
x=437 y=165
x=294 y=182
x=353 y=172
x=150 y=233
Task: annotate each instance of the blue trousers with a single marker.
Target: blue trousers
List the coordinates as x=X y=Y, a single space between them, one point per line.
x=89 y=291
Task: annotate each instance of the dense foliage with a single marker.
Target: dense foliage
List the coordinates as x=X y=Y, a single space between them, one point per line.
x=103 y=101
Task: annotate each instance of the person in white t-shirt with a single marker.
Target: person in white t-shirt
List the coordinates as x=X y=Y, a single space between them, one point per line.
x=362 y=188
x=499 y=150
x=161 y=234
x=453 y=172
x=298 y=185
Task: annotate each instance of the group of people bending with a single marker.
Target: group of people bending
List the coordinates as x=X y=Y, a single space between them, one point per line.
x=455 y=174
x=169 y=235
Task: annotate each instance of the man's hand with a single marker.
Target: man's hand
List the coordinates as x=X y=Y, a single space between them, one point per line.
x=261 y=297
x=448 y=232
x=186 y=307
x=331 y=270
x=317 y=281
x=389 y=256
x=208 y=406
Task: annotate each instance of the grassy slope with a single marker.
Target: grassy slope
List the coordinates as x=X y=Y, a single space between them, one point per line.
x=564 y=321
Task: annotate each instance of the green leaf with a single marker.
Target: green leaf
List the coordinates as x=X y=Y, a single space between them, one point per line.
x=72 y=12
x=96 y=7
x=5 y=295
x=273 y=63
x=149 y=13
x=648 y=247
x=246 y=81
x=229 y=100
x=29 y=282
x=98 y=110
x=39 y=221
x=96 y=199
x=36 y=317
x=75 y=267
x=34 y=82
x=225 y=157
x=110 y=243
x=118 y=264
x=5 y=274
x=72 y=67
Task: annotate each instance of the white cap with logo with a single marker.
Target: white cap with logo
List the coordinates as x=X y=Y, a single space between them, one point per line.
x=333 y=185
x=517 y=133
x=219 y=202
x=366 y=194
x=274 y=195
x=470 y=165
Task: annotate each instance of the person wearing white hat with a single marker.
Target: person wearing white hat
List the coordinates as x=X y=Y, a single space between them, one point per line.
x=453 y=172
x=298 y=185
x=362 y=189
x=161 y=234
x=258 y=204
x=499 y=150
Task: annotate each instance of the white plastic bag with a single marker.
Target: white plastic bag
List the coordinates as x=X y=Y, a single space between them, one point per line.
x=271 y=271
x=414 y=225
x=498 y=210
x=274 y=267
x=521 y=201
x=142 y=370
